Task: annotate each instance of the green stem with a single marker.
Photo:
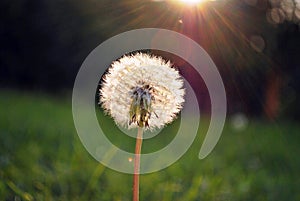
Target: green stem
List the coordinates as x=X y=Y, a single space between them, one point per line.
x=136 y=175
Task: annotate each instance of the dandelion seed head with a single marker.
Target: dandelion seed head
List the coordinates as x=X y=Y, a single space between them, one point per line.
x=145 y=78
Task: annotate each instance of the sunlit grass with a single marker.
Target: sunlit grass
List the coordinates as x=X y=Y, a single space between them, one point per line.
x=42 y=158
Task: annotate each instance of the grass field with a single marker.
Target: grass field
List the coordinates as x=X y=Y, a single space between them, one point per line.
x=42 y=158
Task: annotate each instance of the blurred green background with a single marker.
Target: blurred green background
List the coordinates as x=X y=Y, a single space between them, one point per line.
x=254 y=43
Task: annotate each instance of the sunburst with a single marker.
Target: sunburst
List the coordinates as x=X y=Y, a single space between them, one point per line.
x=192 y=2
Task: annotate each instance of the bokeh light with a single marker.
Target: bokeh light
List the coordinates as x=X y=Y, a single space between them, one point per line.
x=239 y=121
x=284 y=10
x=257 y=43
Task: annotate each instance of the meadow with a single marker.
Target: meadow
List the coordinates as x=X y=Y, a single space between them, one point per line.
x=42 y=158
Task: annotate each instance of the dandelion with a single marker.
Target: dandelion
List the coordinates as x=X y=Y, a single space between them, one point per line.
x=142 y=91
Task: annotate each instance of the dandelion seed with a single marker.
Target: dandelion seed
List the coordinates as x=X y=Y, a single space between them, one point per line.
x=142 y=91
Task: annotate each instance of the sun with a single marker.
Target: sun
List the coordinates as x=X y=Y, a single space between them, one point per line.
x=188 y=3
x=192 y=2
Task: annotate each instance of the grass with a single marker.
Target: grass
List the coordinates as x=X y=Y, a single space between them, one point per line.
x=42 y=158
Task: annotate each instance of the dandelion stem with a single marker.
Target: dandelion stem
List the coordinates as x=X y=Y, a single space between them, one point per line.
x=136 y=176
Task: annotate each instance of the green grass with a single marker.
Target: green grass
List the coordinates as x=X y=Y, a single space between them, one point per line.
x=42 y=158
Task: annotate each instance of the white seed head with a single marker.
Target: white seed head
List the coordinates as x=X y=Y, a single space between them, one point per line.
x=147 y=80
